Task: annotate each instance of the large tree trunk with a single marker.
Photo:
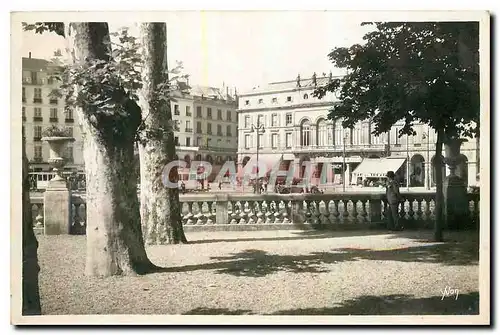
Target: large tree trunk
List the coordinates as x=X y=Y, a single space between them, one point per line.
x=438 y=166
x=160 y=206
x=114 y=238
x=30 y=269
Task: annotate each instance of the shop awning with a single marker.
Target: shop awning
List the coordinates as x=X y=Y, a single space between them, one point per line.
x=378 y=167
x=266 y=162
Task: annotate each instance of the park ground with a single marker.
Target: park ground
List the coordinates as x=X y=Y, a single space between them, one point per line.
x=274 y=273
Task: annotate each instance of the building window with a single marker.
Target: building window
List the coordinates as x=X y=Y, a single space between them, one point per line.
x=274 y=100
x=289 y=99
x=24 y=113
x=260 y=120
x=188 y=141
x=198 y=127
x=288 y=140
x=261 y=141
x=209 y=128
x=247 y=102
x=198 y=141
x=261 y=101
x=274 y=120
x=219 y=130
x=219 y=114
x=274 y=141
x=38 y=112
x=69 y=130
x=53 y=114
x=247 y=121
x=198 y=112
x=24 y=94
x=305 y=132
x=288 y=119
x=176 y=140
x=322 y=135
x=37 y=152
x=306 y=96
x=38 y=95
x=188 y=110
x=209 y=113
x=188 y=126
x=228 y=130
x=37 y=132
x=176 y=125
x=69 y=114
x=50 y=80
x=228 y=115
x=176 y=110
x=34 y=77
x=247 y=141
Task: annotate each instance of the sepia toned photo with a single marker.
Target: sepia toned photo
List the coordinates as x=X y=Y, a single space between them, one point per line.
x=250 y=167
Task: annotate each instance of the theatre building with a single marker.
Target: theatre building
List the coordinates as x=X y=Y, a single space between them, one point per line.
x=282 y=123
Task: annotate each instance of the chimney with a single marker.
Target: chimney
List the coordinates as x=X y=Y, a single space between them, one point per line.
x=298 y=80
x=29 y=55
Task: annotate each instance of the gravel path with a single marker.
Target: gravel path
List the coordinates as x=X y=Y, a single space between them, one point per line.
x=273 y=272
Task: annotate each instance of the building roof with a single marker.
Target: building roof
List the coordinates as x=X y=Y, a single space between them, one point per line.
x=35 y=63
x=306 y=83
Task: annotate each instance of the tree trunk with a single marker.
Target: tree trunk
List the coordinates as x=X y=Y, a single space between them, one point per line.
x=160 y=205
x=30 y=270
x=438 y=166
x=114 y=237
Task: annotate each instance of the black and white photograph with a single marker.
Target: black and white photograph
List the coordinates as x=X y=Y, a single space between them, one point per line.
x=250 y=167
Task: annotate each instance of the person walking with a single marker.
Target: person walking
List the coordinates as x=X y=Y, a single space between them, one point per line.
x=393 y=199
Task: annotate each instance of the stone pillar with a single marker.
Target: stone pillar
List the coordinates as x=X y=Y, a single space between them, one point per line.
x=347 y=174
x=376 y=209
x=57 y=208
x=427 y=175
x=456 y=207
x=221 y=211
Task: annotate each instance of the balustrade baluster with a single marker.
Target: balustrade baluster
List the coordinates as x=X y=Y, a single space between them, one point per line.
x=233 y=215
x=325 y=214
x=75 y=218
x=402 y=211
x=259 y=212
x=190 y=214
x=385 y=212
x=355 y=210
x=268 y=213
x=315 y=212
x=307 y=212
x=336 y=213
x=39 y=219
x=419 y=213
x=345 y=213
x=242 y=213
x=252 y=218
x=285 y=212
x=428 y=210
x=200 y=215
x=411 y=213
x=210 y=214
x=364 y=213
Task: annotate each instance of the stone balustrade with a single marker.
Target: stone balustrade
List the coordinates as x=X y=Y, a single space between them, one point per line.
x=276 y=211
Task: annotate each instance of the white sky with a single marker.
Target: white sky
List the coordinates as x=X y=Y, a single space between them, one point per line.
x=242 y=49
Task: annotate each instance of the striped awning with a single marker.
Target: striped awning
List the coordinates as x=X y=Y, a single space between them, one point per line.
x=378 y=167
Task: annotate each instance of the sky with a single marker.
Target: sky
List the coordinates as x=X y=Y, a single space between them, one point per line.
x=241 y=49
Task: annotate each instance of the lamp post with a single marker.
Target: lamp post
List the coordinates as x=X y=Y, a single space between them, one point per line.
x=258 y=129
x=407 y=163
x=344 y=138
x=429 y=167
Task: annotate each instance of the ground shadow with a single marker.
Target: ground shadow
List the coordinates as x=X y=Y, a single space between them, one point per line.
x=301 y=235
x=463 y=304
x=397 y=304
x=259 y=263
x=217 y=311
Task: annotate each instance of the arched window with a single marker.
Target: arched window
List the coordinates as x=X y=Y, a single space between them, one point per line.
x=305 y=132
x=339 y=133
x=306 y=96
x=322 y=133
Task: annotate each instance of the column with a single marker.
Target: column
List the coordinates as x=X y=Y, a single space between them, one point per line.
x=427 y=175
x=57 y=207
x=347 y=174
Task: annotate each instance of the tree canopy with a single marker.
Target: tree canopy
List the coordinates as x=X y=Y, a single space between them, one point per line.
x=412 y=71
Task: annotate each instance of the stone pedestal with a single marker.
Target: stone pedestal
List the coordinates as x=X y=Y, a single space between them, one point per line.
x=57 y=208
x=456 y=206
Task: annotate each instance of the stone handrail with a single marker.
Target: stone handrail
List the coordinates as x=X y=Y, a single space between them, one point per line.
x=225 y=211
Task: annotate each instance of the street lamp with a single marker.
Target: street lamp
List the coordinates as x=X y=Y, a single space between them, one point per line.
x=429 y=167
x=407 y=163
x=258 y=129
x=343 y=165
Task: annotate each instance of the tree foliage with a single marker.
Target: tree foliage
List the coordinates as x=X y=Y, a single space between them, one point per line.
x=412 y=71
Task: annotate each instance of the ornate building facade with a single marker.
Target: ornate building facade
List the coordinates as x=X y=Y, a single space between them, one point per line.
x=283 y=123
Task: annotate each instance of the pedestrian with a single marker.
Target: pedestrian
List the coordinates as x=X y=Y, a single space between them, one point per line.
x=183 y=187
x=393 y=199
x=220 y=184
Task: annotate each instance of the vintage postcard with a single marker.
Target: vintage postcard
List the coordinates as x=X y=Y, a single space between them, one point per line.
x=250 y=167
